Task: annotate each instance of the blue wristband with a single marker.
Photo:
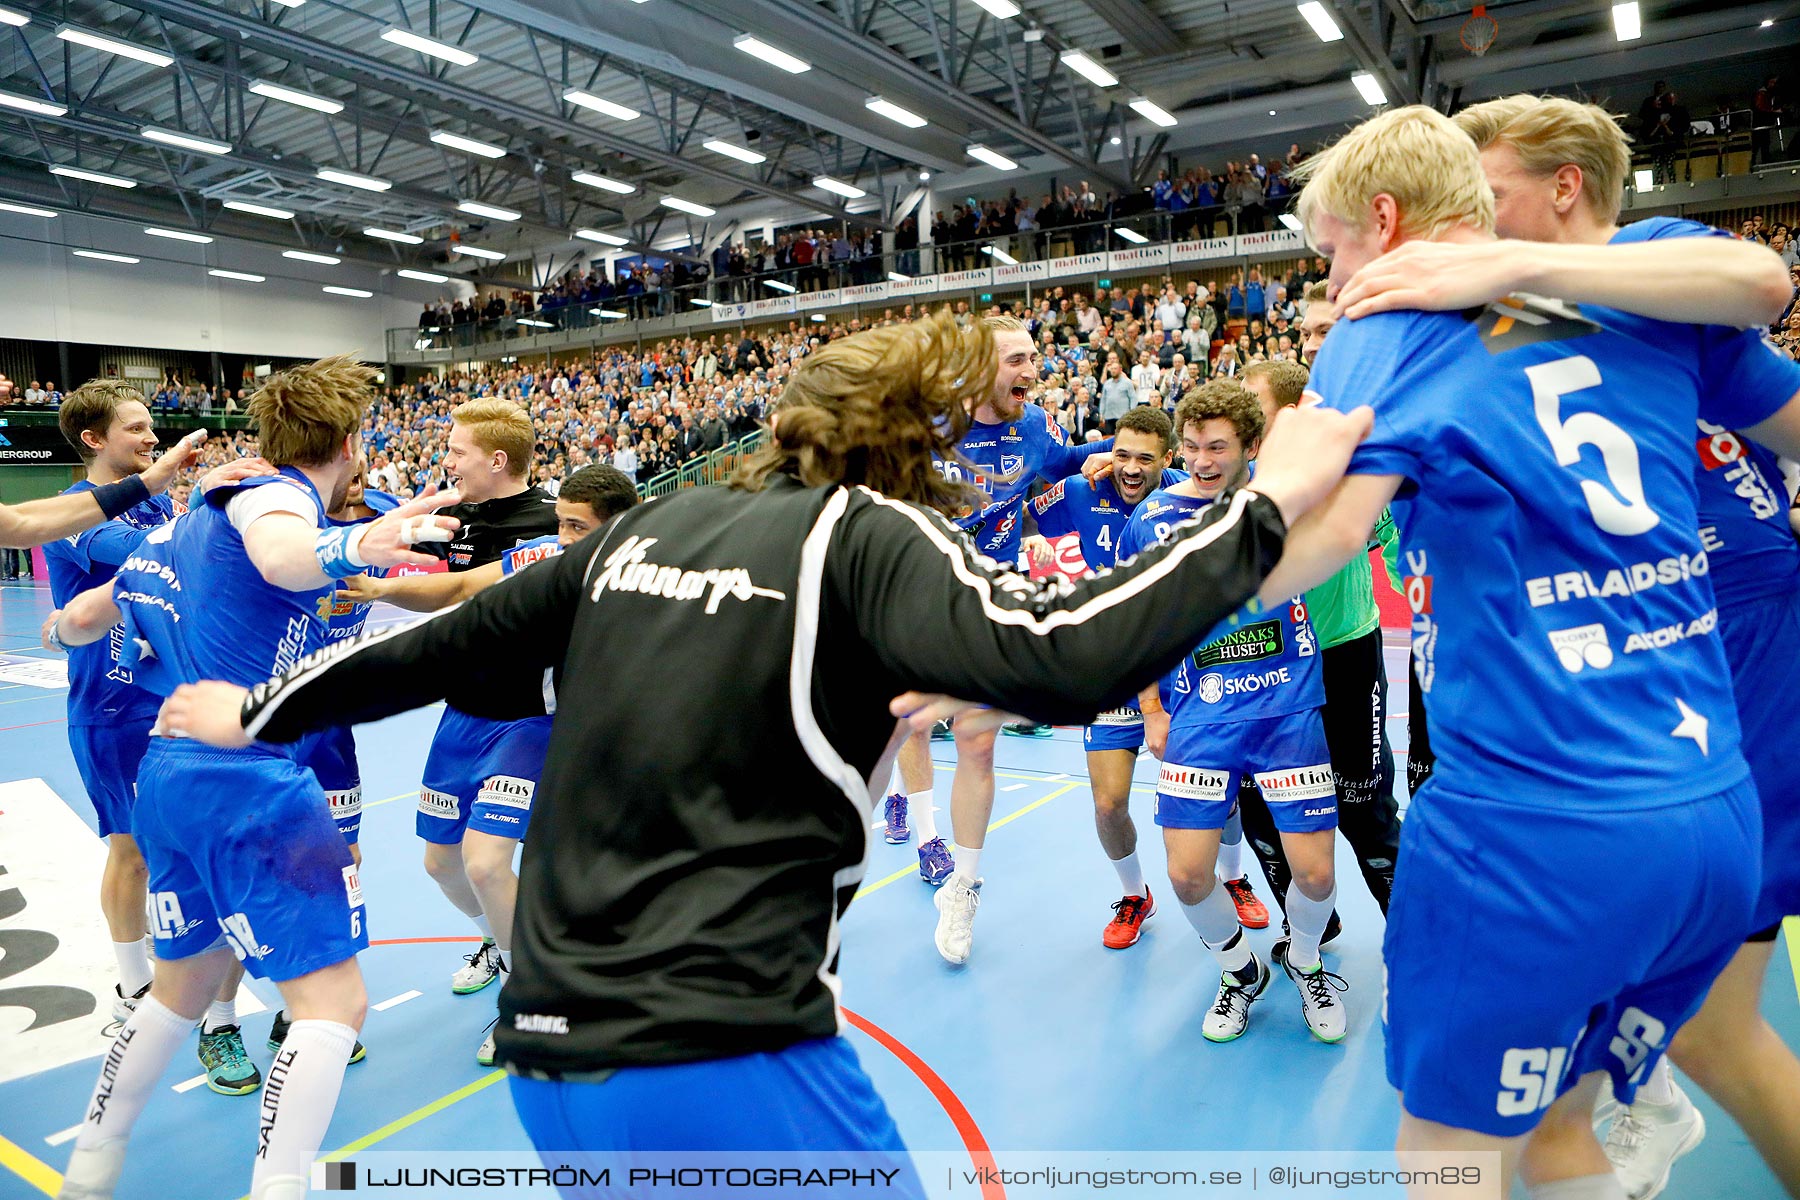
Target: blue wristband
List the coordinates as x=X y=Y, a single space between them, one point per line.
x=127 y=494
x=335 y=548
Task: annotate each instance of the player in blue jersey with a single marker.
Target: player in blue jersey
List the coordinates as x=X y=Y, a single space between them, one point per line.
x=1245 y=703
x=1010 y=444
x=1580 y=867
x=1098 y=512
x=243 y=857
x=1557 y=168
x=585 y=501
x=110 y=716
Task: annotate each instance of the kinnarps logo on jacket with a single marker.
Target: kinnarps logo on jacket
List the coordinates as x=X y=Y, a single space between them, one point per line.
x=626 y=570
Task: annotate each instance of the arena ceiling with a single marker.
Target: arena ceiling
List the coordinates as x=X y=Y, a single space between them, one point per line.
x=528 y=108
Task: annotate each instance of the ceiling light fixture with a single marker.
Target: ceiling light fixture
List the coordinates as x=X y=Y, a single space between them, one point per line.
x=467 y=145
x=1006 y=10
x=478 y=252
x=893 y=112
x=1628 y=22
x=178 y=235
x=993 y=159
x=9 y=17
x=105 y=257
x=393 y=235
x=287 y=95
x=999 y=255
x=687 y=206
x=755 y=47
x=603 y=183
x=1131 y=235
x=605 y=239
x=1079 y=62
x=243 y=276
x=476 y=208
x=429 y=46
x=185 y=141
x=422 y=276
x=601 y=104
x=1321 y=21
x=779 y=286
x=359 y=293
x=260 y=210
x=1153 y=112
x=324 y=260
x=848 y=190
x=737 y=152
x=118 y=181
x=84 y=37
x=24 y=209
x=1369 y=89
x=43 y=108
x=367 y=183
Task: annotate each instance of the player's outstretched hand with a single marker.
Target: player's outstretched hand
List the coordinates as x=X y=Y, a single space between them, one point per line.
x=1042 y=553
x=185 y=453
x=360 y=589
x=234 y=472
x=1304 y=455
x=1156 y=732
x=1433 y=276
x=922 y=710
x=389 y=540
x=208 y=711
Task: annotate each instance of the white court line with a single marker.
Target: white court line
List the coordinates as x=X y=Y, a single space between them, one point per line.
x=1012 y=787
x=188 y=1085
x=61 y=1136
x=1056 y=778
x=402 y=998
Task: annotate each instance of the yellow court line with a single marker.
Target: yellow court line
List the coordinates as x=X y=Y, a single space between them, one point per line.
x=903 y=872
x=22 y=1163
x=391 y=799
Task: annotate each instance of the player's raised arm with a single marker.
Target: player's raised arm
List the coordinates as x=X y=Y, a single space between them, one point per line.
x=36 y=522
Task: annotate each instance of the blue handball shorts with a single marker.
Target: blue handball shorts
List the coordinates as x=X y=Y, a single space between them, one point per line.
x=481 y=775
x=1286 y=756
x=1762 y=643
x=241 y=848
x=1529 y=944
x=108 y=758
x=809 y=1106
x=1118 y=729
x=332 y=757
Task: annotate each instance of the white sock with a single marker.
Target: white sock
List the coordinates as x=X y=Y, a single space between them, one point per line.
x=135 y=1061
x=297 y=1099
x=1307 y=919
x=219 y=1014
x=282 y=1187
x=1659 y=1089
x=487 y=933
x=1587 y=1187
x=1215 y=920
x=968 y=862
x=505 y=960
x=134 y=965
x=1131 y=875
x=923 y=817
x=1231 y=849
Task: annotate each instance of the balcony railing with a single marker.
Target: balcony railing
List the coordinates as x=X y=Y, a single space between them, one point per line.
x=1009 y=263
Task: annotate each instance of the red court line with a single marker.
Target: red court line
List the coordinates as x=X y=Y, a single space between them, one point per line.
x=32 y=724
x=953 y=1106
x=420 y=941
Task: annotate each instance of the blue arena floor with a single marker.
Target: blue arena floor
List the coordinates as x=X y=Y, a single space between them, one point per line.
x=1046 y=1040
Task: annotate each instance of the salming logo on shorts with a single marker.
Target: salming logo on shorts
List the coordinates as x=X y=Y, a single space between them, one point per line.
x=434 y=803
x=346 y=804
x=1192 y=783
x=507 y=790
x=1299 y=783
